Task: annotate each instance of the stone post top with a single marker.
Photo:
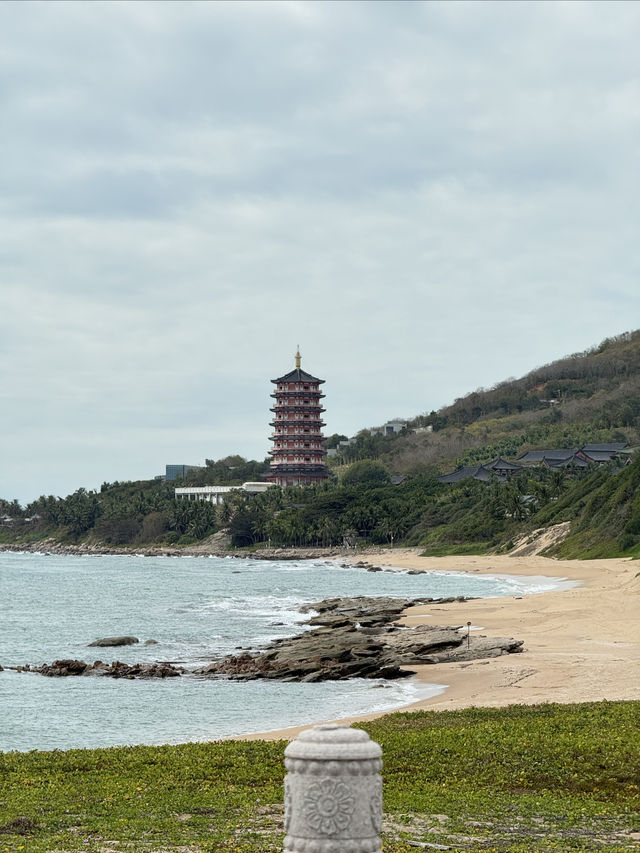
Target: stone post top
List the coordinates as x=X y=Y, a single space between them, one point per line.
x=334 y=742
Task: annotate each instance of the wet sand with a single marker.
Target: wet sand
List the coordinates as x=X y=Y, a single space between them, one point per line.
x=581 y=644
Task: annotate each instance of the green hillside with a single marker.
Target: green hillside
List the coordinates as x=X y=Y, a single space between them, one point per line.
x=590 y=397
x=587 y=397
x=605 y=513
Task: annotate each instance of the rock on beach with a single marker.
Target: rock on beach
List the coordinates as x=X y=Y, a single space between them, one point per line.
x=348 y=638
x=117 y=669
x=358 y=638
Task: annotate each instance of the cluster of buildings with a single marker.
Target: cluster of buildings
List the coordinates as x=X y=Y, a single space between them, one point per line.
x=298 y=454
x=501 y=470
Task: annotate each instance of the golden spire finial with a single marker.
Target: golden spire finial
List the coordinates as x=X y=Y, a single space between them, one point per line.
x=298 y=358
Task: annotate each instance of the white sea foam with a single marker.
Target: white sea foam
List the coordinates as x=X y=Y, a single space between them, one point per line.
x=198 y=609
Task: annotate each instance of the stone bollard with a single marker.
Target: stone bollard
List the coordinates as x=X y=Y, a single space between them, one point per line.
x=333 y=792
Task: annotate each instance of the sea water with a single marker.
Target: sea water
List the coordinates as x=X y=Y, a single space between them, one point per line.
x=196 y=609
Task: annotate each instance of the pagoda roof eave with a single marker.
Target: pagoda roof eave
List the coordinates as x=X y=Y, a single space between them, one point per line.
x=293 y=468
x=315 y=394
x=298 y=376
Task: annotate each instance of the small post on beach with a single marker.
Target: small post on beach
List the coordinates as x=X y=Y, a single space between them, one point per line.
x=333 y=792
x=468 y=632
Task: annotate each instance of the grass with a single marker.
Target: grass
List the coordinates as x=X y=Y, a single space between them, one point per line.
x=535 y=779
x=469 y=549
x=20 y=536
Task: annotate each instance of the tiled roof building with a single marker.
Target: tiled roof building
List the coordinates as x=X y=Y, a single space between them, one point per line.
x=499 y=470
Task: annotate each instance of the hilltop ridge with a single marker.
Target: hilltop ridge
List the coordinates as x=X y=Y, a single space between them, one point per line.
x=585 y=397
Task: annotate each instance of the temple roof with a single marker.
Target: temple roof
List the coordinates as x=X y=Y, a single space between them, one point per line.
x=598 y=455
x=298 y=376
x=502 y=465
x=574 y=461
x=539 y=455
x=464 y=473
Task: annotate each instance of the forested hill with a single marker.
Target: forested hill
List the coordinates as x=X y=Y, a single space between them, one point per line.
x=586 y=398
x=583 y=385
x=582 y=398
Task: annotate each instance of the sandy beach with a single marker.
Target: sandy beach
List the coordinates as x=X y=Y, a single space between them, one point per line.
x=581 y=644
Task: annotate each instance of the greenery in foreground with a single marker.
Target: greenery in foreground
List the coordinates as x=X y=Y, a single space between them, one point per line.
x=537 y=778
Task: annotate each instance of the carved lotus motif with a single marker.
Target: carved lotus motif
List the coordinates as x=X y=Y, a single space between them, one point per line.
x=328 y=806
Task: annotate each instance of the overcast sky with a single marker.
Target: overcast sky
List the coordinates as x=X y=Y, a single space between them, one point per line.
x=427 y=197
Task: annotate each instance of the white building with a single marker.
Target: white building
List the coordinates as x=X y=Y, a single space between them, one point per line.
x=390 y=428
x=215 y=494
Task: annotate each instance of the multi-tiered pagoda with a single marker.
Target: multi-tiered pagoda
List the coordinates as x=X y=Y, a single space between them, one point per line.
x=297 y=458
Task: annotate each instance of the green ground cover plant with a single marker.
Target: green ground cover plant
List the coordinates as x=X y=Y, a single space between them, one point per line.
x=524 y=778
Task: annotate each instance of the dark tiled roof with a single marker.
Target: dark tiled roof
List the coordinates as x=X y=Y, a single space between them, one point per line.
x=485 y=476
x=612 y=447
x=502 y=465
x=298 y=376
x=539 y=455
x=477 y=472
x=599 y=455
x=566 y=463
x=460 y=474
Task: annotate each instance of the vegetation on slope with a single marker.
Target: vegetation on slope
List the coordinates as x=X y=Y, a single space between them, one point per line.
x=589 y=397
x=601 y=385
x=535 y=779
x=605 y=511
x=586 y=397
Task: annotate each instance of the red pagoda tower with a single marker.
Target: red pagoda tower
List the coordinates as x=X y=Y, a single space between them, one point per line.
x=298 y=452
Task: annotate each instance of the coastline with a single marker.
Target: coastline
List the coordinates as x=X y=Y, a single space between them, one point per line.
x=581 y=644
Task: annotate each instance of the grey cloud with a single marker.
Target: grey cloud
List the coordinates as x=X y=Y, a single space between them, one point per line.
x=188 y=190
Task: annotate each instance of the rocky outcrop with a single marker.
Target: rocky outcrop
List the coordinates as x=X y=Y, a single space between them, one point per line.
x=347 y=638
x=357 y=638
x=115 y=641
x=117 y=669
